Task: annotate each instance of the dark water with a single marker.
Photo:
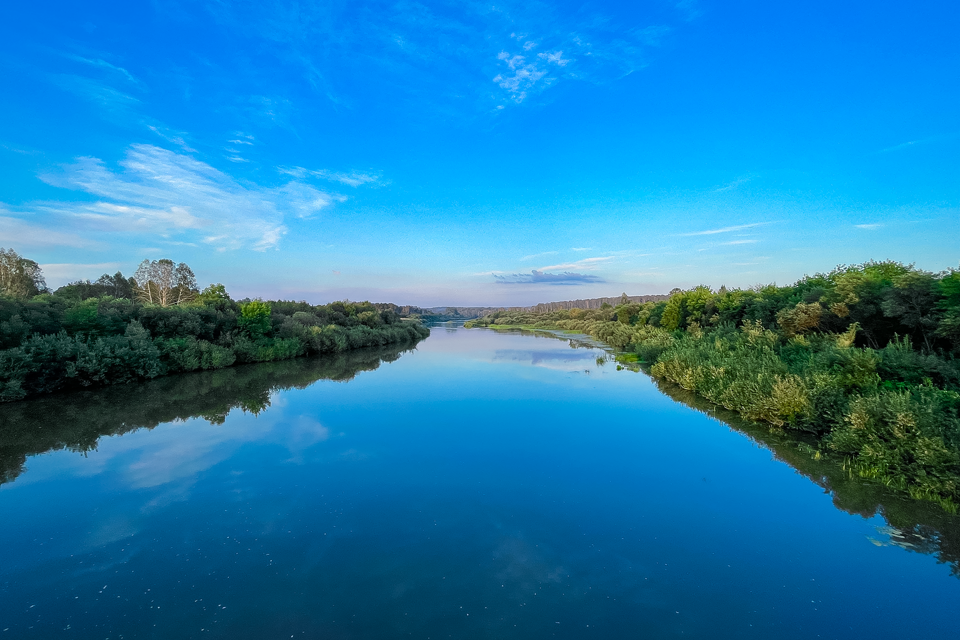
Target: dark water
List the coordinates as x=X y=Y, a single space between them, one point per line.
x=484 y=485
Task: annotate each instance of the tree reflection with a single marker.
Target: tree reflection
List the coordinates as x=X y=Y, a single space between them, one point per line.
x=77 y=421
x=915 y=525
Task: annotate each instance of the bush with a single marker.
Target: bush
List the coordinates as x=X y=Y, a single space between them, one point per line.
x=908 y=439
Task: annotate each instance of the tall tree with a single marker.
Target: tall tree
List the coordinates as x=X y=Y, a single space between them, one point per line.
x=165 y=282
x=19 y=277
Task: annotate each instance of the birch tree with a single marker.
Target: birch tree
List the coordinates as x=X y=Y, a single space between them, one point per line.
x=165 y=282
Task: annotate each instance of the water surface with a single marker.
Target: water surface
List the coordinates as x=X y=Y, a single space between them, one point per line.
x=483 y=485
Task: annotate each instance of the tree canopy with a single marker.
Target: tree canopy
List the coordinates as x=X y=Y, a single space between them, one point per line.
x=19 y=277
x=165 y=282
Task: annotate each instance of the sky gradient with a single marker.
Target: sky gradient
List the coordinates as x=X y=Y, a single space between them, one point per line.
x=461 y=153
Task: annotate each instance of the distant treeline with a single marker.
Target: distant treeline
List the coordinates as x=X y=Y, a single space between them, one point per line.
x=593 y=303
x=865 y=357
x=433 y=314
x=121 y=329
x=468 y=313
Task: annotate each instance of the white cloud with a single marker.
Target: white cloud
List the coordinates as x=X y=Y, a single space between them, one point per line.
x=172 y=137
x=738 y=242
x=869 y=227
x=554 y=57
x=539 y=255
x=525 y=75
x=304 y=200
x=103 y=64
x=161 y=192
x=351 y=179
x=586 y=263
x=711 y=232
x=730 y=186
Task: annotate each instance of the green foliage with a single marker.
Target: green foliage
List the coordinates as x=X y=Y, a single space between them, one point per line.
x=908 y=439
x=51 y=343
x=213 y=294
x=255 y=318
x=116 y=286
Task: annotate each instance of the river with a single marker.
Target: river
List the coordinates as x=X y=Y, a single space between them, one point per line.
x=479 y=485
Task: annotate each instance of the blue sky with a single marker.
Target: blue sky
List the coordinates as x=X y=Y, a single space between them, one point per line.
x=473 y=153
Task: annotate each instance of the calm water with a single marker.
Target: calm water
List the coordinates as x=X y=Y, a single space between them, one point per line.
x=483 y=485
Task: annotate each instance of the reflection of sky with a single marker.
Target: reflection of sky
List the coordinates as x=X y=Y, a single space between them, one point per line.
x=178 y=451
x=538 y=350
x=474 y=475
x=568 y=360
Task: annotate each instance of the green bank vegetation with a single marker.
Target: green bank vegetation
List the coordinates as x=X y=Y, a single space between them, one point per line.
x=864 y=358
x=158 y=322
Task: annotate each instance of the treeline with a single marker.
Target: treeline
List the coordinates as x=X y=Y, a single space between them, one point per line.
x=121 y=329
x=593 y=303
x=439 y=314
x=864 y=357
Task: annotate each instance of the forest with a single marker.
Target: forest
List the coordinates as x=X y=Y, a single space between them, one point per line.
x=865 y=358
x=122 y=329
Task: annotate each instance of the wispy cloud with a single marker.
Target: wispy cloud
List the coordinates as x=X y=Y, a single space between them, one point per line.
x=539 y=255
x=448 y=51
x=17 y=233
x=730 y=186
x=921 y=141
x=585 y=52
x=176 y=138
x=554 y=57
x=710 y=232
x=158 y=191
x=540 y=277
x=521 y=76
x=104 y=65
x=586 y=263
x=751 y=241
x=581 y=248
x=351 y=179
x=107 y=98
x=869 y=227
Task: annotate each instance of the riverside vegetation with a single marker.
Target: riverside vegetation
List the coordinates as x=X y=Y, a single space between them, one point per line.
x=156 y=323
x=864 y=358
